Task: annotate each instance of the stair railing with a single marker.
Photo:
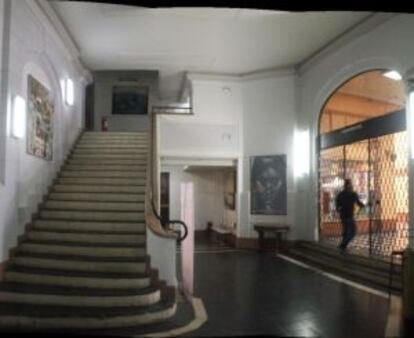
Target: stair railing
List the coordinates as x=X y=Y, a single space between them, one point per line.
x=158 y=225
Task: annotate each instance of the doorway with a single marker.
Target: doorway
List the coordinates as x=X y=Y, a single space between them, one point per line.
x=373 y=153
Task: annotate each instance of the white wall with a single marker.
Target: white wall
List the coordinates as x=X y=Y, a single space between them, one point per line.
x=259 y=115
x=388 y=46
x=36 y=50
x=269 y=117
x=214 y=129
x=104 y=82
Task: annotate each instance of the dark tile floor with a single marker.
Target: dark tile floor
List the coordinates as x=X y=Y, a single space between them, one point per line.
x=251 y=293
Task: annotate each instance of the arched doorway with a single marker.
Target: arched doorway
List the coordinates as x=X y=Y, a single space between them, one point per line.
x=362 y=136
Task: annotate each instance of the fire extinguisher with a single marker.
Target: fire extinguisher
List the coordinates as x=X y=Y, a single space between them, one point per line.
x=104 y=124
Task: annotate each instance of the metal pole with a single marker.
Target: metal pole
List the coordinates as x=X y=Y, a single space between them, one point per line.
x=369 y=197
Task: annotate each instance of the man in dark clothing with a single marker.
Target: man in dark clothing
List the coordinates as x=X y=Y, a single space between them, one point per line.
x=345 y=202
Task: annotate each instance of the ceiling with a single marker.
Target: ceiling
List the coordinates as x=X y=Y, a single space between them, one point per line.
x=208 y=40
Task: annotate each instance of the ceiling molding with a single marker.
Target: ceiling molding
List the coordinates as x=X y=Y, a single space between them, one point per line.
x=47 y=15
x=255 y=75
x=268 y=73
x=213 y=77
x=365 y=26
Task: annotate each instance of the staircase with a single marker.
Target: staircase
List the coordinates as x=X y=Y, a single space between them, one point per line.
x=369 y=271
x=82 y=263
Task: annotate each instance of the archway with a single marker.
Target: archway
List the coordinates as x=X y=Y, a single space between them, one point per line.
x=362 y=136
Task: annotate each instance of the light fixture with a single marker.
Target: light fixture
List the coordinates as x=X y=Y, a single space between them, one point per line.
x=301 y=153
x=392 y=74
x=19 y=117
x=63 y=89
x=411 y=121
x=69 y=92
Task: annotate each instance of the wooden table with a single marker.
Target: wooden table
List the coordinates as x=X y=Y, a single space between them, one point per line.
x=279 y=230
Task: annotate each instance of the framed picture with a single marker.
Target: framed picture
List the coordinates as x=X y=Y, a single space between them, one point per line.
x=40 y=112
x=268 y=185
x=130 y=100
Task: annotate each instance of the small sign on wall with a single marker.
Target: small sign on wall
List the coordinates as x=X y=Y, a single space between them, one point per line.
x=268 y=185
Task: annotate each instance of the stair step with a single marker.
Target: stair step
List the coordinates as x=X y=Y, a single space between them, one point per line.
x=105 y=167
x=103 y=161
x=57 y=318
x=81 y=250
x=76 y=291
x=106 y=174
x=369 y=262
x=111 y=145
x=84 y=300
x=83 y=244
x=74 y=257
x=109 y=189
x=54 y=311
x=76 y=265
x=96 y=197
x=93 y=206
x=110 y=151
x=136 y=217
x=85 y=238
x=347 y=267
x=96 y=227
x=102 y=181
x=77 y=280
x=113 y=157
x=113 y=133
x=112 y=136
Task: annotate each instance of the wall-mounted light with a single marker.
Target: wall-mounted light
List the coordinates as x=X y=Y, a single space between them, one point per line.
x=19 y=117
x=69 y=92
x=63 y=89
x=301 y=153
x=394 y=75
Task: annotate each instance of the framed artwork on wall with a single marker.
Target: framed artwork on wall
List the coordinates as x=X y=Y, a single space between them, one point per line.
x=40 y=111
x=268 y=185
x=130 y=100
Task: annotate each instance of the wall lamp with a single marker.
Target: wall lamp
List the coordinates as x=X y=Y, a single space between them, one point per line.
x=18 y=117
x=68 y=91
x=301 y=155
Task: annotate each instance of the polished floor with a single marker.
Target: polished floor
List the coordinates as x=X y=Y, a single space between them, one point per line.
x=251 y=293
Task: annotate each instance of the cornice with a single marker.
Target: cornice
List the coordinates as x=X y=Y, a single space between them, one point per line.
x=363 y=27
x=47 y=15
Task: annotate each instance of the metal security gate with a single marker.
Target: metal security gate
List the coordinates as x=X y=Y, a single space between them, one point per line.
x=378 y=168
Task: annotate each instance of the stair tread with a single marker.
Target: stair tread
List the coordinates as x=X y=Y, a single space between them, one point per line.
x=348 y=268
x=57 y=311
x=62 y=290
x=75 y=273
x=371 y=262
x=84 y=245
x=137 y=259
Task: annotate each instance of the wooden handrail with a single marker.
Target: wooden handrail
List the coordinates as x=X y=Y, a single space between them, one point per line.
x=152 y=186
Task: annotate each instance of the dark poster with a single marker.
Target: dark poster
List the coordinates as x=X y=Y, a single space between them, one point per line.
x=268 y=185
x=130 y=100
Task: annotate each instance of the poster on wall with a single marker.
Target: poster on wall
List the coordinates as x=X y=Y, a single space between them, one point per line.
x=268 y=185
x=39 y=120
x=129 y=100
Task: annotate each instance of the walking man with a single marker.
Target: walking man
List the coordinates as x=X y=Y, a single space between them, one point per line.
x=345 y=202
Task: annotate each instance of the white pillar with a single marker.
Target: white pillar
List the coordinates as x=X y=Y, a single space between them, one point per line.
x=409 y=82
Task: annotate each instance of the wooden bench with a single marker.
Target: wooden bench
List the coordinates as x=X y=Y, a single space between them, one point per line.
x=279 y=230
